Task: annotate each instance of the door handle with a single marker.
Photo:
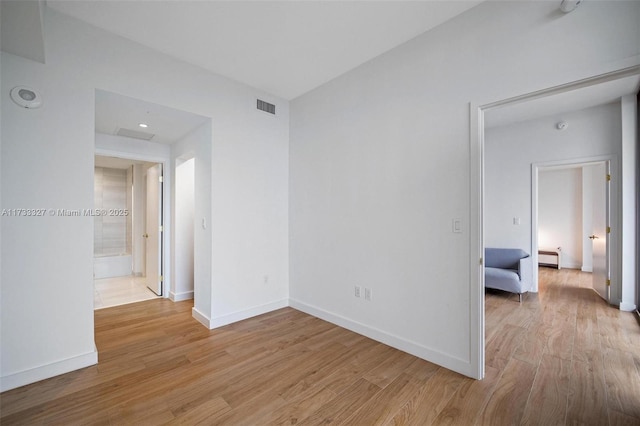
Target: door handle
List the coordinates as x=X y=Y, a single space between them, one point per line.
x=147 y=235
x=593 y=237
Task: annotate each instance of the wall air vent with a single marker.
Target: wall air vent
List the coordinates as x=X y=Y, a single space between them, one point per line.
x=136 y=134
x=266 y=107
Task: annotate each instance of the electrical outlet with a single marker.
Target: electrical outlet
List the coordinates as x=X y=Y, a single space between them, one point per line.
x=357 y=291
x=367 y=294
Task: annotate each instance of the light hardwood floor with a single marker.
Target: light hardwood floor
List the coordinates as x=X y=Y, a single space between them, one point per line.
x=563 y=356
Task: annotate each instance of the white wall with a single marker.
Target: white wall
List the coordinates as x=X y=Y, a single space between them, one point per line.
x=184 y=231
x=560 y=214
x=196 y=146
x=511 y=150
x=47 y=162
x=380 y=162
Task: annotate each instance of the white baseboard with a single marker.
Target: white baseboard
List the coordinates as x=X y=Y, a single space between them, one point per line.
x=447 y=361
x=179 y=297
x=33 y=375
x=248 y=313
x=201 y=318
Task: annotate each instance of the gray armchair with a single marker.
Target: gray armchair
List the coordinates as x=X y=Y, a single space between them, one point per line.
x=508 y=269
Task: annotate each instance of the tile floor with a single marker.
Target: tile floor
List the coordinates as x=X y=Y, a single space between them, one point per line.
x=120 y=290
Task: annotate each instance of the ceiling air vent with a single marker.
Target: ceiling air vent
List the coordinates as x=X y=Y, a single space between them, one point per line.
x=136 y=134
x=266 y=107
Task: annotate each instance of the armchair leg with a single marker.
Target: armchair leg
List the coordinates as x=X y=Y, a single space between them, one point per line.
x=519 y=297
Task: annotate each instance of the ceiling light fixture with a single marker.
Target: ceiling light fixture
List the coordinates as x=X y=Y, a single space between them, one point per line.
x=144 y=126
x=569 y=5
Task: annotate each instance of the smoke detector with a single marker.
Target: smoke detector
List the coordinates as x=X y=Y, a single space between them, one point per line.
x=26 y=97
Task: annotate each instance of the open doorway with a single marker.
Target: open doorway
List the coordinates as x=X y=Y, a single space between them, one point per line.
x=571 y=209
x=179 y=143
x=599 y=89
x=127 y=231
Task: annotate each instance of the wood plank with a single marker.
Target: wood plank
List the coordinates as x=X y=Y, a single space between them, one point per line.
x=211 y=408
x=547 y=402
x=345 y=405
x=508 y=401
x=587 y=402
x=470 y=400
x=430 y=400
x=622 y=382
x=383 y=405
x=502 y=345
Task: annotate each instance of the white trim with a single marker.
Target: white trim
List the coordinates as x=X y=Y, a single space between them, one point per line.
x=179 y=297
x=534 y=228
x=57 y=368
x=201 y=318
x=476 y=242
x=247 y=313
x=567 y=87
x=445 y=360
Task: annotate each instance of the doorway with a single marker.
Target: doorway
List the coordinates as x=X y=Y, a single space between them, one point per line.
x=571 y=211
x=613 y=85
x=123 y=224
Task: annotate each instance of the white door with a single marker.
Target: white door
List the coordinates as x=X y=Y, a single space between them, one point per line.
x=153 y=234
x=599 y=235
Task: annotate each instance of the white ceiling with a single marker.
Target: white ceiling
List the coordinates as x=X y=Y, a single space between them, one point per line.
x=168 y=125
x=285 y=48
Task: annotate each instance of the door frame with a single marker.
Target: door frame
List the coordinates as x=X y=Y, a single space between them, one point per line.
x=476 y=203
x=166 y=205
x=612 y=213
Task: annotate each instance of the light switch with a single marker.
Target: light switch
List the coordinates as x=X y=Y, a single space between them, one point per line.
x=516 y=221
x=457 y=225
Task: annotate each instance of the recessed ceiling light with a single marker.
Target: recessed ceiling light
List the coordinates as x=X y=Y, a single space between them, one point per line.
x=144 y=126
